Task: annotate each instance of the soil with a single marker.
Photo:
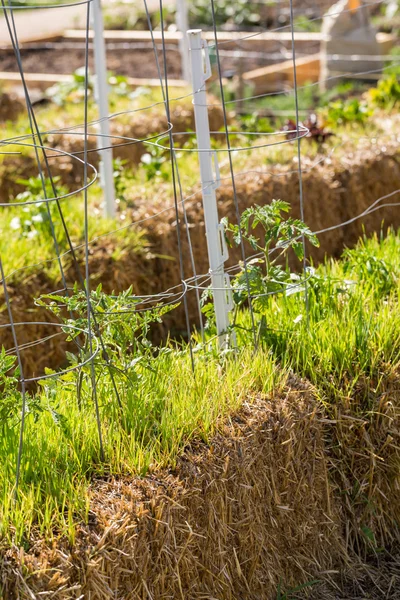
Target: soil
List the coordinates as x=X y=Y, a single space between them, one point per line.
x=129 y=59
x=65 y=60
x=378 y=579
x=125 y=60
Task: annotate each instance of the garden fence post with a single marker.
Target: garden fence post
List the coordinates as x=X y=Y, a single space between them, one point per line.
x=210 y=181
x=182 y=22
x=101 y=94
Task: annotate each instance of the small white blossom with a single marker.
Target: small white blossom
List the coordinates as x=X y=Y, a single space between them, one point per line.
x=15 y=223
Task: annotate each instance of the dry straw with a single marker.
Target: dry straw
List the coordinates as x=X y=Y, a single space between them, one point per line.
x=283 y=493
x=336 y=191
x=231 y=521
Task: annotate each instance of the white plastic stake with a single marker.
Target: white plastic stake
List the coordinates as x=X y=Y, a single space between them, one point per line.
x=210 y=181
x=182 y=23
x=101 y=93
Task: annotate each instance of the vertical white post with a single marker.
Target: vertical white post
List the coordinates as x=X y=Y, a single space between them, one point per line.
x=101 y=94
x=210 y=181
x=182 y=22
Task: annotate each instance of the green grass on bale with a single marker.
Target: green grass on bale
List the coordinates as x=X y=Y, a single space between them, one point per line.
x=348 y=344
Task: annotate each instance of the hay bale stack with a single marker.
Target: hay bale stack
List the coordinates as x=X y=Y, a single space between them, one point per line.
x=146 y=124
x=233 y=520
x=377 y=174
x=333 y=193
x=285 y=492
x=364 y=463
x=131 y=266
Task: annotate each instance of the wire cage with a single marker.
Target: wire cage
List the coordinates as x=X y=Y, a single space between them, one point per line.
x=80 y=314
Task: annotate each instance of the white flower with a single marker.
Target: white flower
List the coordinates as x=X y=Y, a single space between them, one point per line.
x=146 y=159
x=15 y=223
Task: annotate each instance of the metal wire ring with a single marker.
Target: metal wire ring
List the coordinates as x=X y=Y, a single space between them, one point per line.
x=305 y=131
x=64 y=371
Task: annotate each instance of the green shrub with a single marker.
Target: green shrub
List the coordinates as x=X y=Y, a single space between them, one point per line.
x=387 y=92
x=343 y=112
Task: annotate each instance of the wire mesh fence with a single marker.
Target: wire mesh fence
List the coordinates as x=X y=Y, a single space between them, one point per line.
x=198 y=284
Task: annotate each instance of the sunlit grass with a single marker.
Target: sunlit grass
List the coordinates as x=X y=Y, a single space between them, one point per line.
x=349 y=338
x=345 y=344
x=20 y=250
x=347 y=348
x=162 y=411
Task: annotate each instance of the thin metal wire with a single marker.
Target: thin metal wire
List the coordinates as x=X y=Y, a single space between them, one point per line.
x=15 y=44
x=171 y=207
x=56 y=195
x=170 y=300
x=22 y=382
x=299 y=158
x=14 y=40
x=176 y=204
x=283 y=27
x=182 y=201
x=62 y=326
x=230 y=149
x=306 y=86
x=191 y=254
x=86 y=235
x=195 y=282
x=235 y=197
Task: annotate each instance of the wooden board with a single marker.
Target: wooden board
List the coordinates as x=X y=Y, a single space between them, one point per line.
x=274 y=77
x=175 y=36
x=386 y=40
x=41 y=24
x=45 y=80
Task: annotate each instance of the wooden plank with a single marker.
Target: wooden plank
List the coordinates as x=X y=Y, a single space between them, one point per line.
x=266 y=79
x=386 y=42
x=41 y=24
x=308 y=68
x=45 y=80
x=173 y=37
x=228 y=38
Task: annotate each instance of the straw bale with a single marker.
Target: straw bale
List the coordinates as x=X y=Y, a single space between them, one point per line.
x=131 y=268
x=10 y=107
x=234 y=518
x=334 y=192
x=287 y=490
x=377 y=174
x=13 y=168
x=378 y=579
x=145 y=124
x=51 y=352
x=365 y=462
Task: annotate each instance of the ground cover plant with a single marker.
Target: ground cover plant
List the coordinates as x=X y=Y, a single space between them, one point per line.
x=346 y=343
x=348 y=347
x=344 y=110
x=138 y=248
x=343 y=340
x=243 y=15
x=287 y=441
